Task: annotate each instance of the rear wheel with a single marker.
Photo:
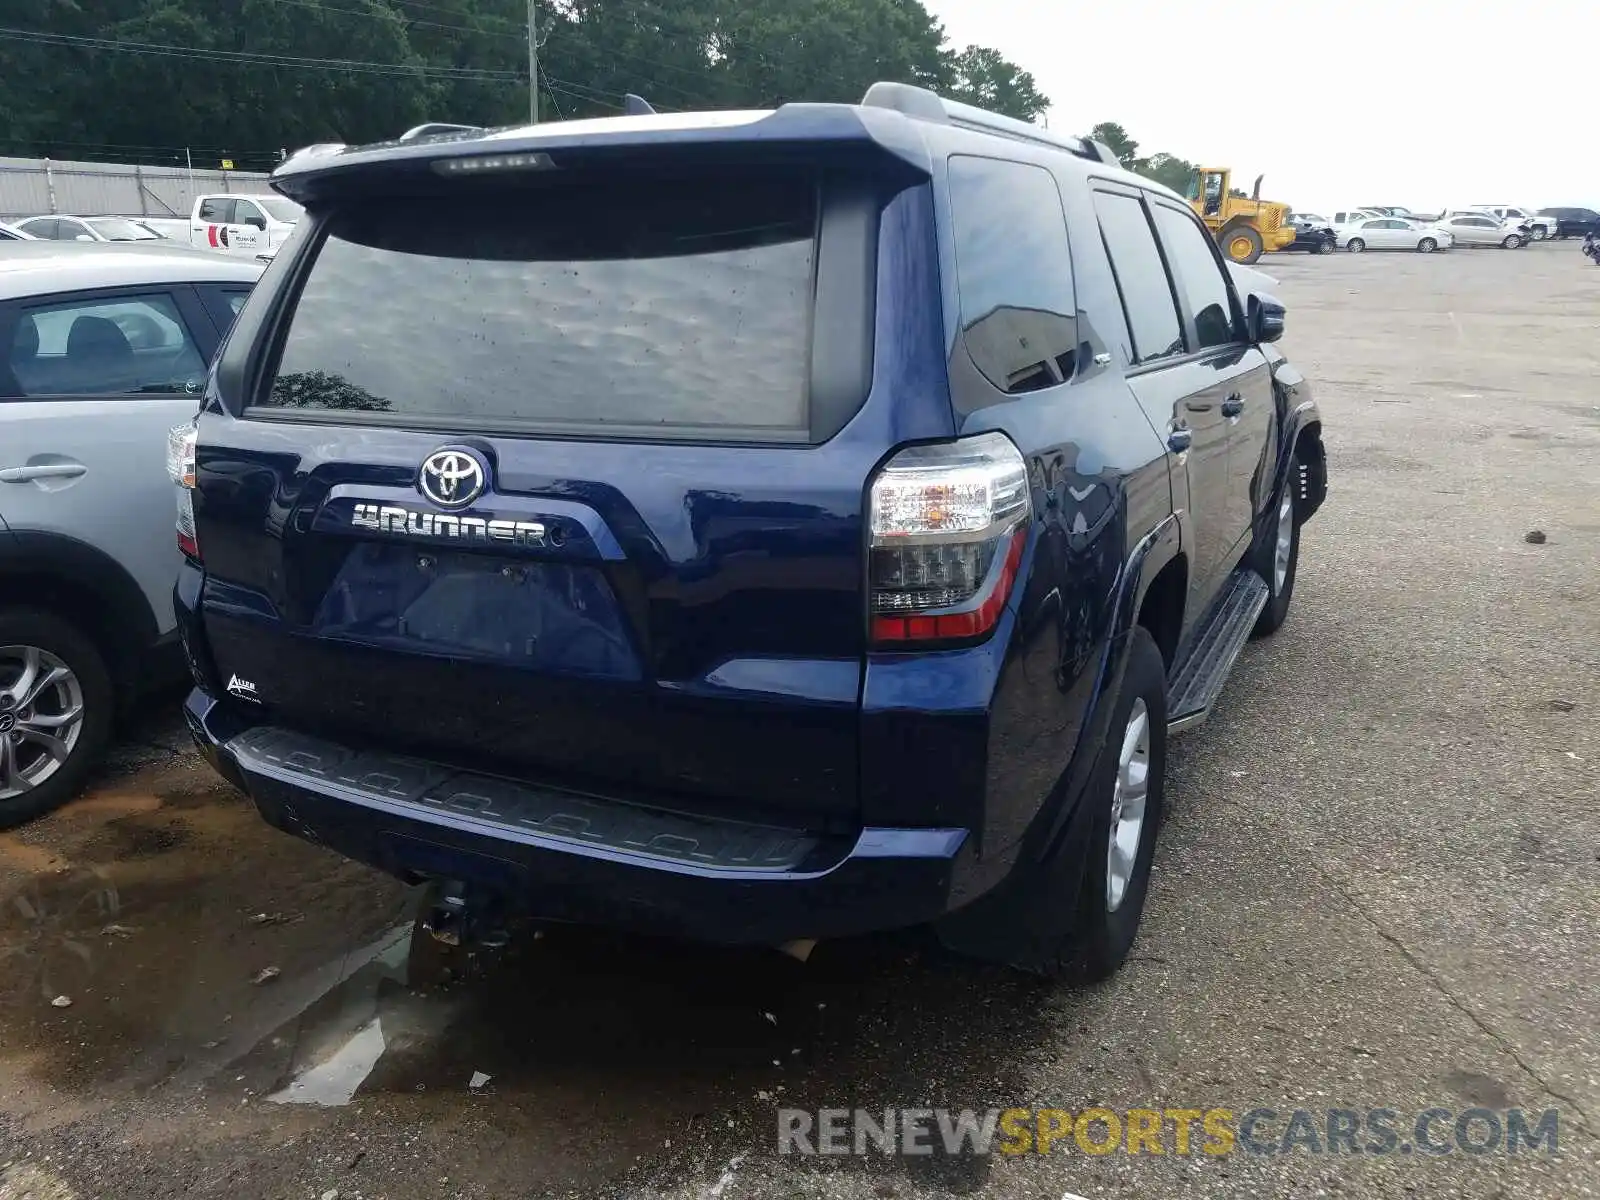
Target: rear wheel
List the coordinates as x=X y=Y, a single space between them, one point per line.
x=1063 y=917
x=1427 y=245
x=1355 y=245
x=1511 y=241
x=1277 y=561
x=55 y=713
x=1241 y=244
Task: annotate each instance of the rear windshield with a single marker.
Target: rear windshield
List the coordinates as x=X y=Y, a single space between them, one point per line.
x=118 y=230
x=662 y=309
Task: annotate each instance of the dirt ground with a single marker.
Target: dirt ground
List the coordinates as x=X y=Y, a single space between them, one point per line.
x=1379 y=887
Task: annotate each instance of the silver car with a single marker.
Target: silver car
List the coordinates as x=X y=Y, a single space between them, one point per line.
x=1480 y=229
x=103 y=349
x=88 y=229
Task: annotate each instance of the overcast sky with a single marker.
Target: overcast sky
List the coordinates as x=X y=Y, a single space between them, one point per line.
x=1416 y=102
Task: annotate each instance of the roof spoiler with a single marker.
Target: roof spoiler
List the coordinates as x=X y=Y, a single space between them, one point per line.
x=922 y=104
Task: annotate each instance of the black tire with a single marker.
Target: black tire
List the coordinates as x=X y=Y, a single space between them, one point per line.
x=1427 y=246
x=1240 y=244
x=1355 y=245
x=1326 y=246
x=29 y=627
x=1510 y=242
x=1279 y=594
x=1107 y=936
x=1049 y=918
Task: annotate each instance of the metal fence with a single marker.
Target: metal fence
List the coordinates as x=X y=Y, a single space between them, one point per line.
x=29 y=186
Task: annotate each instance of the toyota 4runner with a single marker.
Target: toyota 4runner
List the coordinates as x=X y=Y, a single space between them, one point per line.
x=754 y=526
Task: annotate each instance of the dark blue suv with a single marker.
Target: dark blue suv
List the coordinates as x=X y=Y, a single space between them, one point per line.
x=757 y=527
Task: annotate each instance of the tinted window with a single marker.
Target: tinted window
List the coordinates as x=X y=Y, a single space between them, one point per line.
x=244 y=211
x=217 y=211
x=43 y=227
x=678 y=307
x=1014 y=272
x=1201 y=288
x=102 y=346
x=1141 y=276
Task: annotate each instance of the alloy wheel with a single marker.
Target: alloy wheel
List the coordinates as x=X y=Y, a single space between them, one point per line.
x=41 y=717
x=1283 y=549
x=1129 y=800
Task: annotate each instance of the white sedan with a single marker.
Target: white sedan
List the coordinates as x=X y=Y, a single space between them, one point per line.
x=1392 y=233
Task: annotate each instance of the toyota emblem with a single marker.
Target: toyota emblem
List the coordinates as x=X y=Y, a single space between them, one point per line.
x=452 y=477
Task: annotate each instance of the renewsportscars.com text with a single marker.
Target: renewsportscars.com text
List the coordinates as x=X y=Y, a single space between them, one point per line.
x=1174 y=1131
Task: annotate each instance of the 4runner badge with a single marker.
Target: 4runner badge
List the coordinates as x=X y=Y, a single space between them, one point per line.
x=243 y=689
x=392 y=518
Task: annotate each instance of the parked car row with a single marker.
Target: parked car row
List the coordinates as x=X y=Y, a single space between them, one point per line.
x=1392 y=227
x=252 y=226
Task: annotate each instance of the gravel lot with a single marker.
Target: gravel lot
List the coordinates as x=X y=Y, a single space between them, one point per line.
x=1379 y=888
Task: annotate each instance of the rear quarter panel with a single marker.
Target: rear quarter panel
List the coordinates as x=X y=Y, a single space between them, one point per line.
x=994 y=738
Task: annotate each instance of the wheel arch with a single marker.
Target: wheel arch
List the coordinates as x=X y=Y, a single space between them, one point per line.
x=85 y=585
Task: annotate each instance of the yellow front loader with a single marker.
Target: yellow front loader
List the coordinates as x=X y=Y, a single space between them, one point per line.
x=1244 y=227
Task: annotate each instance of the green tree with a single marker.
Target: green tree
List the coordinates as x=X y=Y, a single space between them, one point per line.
x=981 y=76
x=1167 y=169
x=1116 y=137
x=144 y=78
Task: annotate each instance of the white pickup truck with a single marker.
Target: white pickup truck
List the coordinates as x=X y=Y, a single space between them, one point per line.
x=254 y=225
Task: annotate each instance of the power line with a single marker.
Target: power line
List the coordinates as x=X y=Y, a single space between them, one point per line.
x=576 y=91
x=387 y=14
x=356 y=66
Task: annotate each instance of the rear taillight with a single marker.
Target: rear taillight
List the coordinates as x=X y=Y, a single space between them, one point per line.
x=180 y=468
x=949 y=523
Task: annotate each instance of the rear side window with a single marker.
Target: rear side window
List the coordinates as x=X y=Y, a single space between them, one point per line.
x=101 y=347
x=1014 y=272
x=1141 y=276
x=1202 y=290
x=681 y=308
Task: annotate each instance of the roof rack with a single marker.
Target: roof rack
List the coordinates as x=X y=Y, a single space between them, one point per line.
x=431 y=128
x=922 y=104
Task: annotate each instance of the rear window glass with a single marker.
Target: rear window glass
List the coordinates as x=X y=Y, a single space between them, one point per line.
x=666 y=309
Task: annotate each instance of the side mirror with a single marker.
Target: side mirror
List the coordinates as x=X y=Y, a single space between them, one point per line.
x=1265 y=318
x=259 y=222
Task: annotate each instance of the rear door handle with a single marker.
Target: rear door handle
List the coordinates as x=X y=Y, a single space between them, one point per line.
x=1233 y=405
x=42 y=471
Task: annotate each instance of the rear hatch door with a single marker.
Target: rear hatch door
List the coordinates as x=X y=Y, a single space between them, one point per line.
x=564 y=478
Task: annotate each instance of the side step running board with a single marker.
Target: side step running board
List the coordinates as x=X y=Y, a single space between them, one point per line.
x=1198 y=680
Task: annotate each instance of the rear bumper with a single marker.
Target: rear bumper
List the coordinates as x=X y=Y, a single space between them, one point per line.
x=584 y=859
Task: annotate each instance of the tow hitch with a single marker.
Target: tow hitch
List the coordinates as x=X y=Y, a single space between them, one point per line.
x=457 y=929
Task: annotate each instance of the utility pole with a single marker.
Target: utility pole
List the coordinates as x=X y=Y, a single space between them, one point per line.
x=533 y=63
